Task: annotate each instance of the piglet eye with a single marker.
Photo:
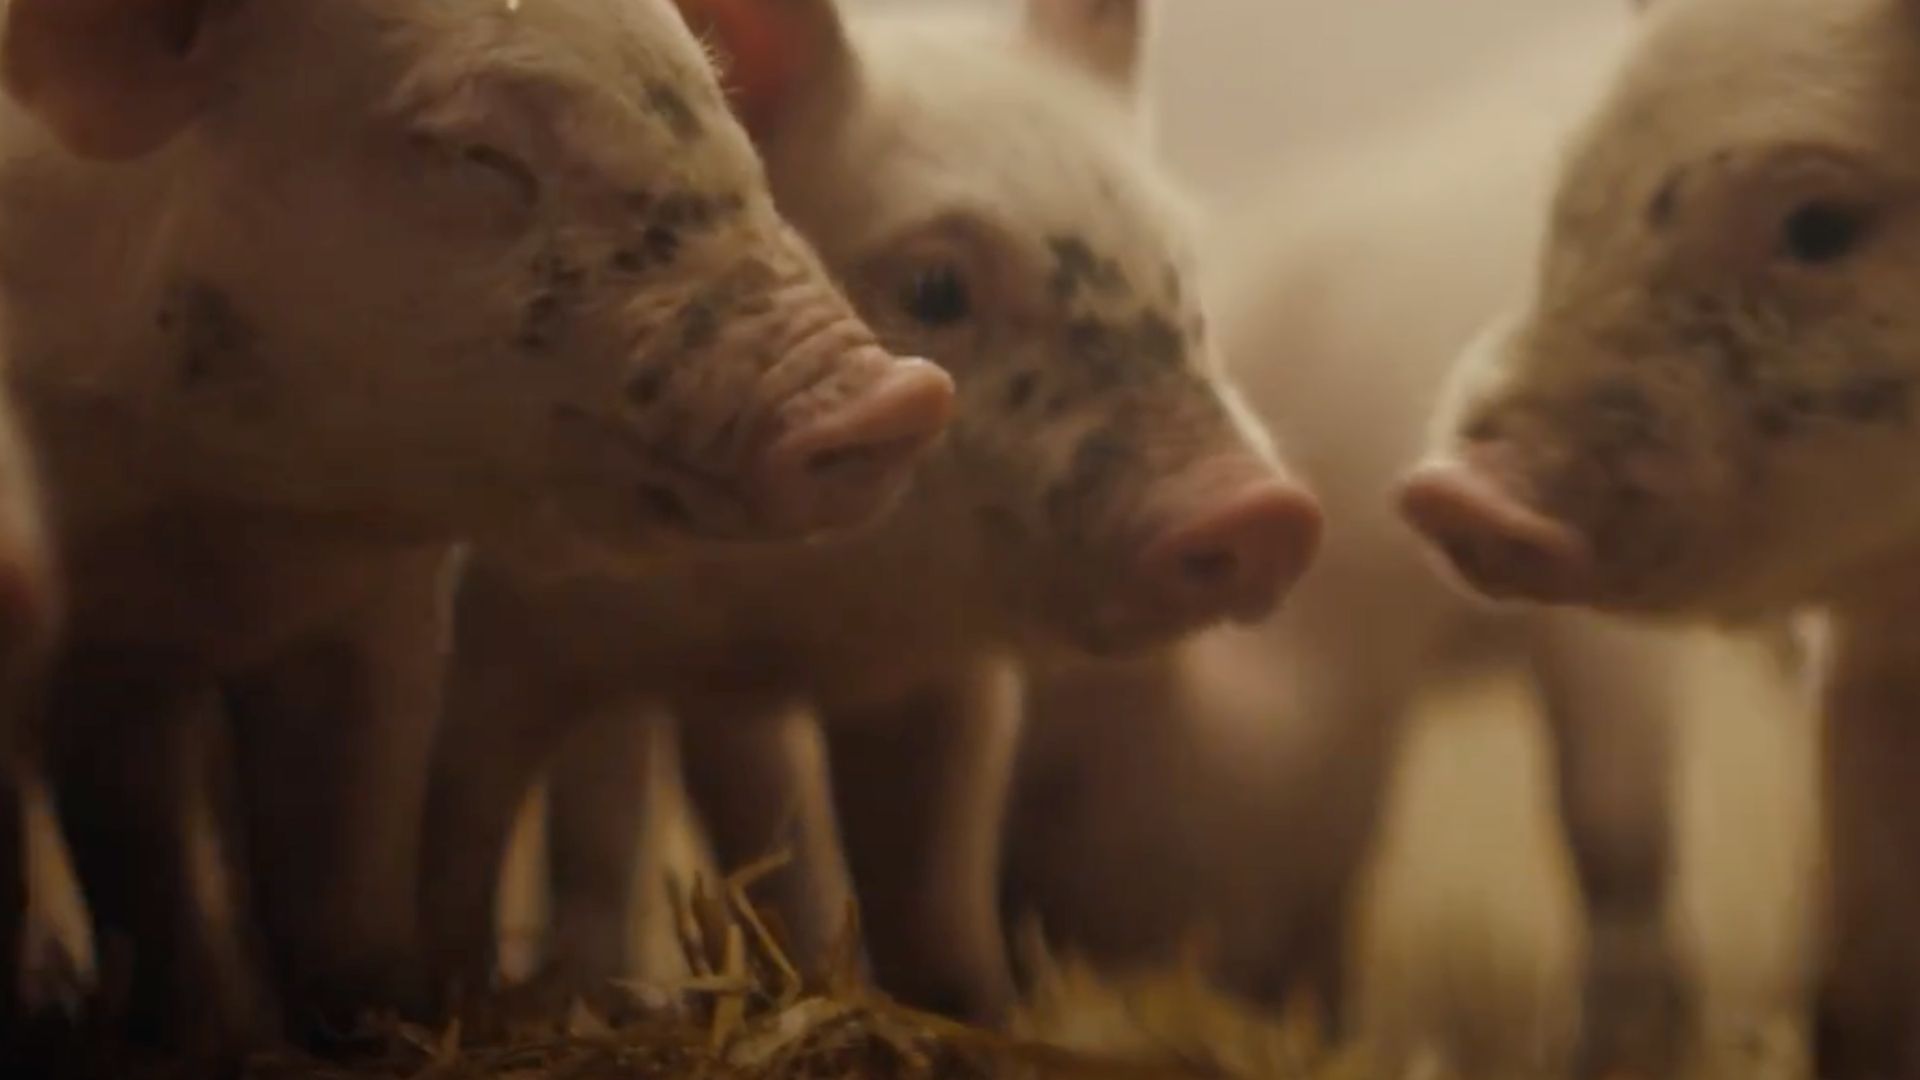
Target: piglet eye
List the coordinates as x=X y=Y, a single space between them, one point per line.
x=1818 y=233
x=938 y=296
x=505 y=167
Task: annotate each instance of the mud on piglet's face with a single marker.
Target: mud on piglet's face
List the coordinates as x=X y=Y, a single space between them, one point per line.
x=1708 y=404
x=492 y=264
x=989 y=204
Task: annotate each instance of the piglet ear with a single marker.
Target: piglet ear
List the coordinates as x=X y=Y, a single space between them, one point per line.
x=772 y=55
x=1104 y=37
x=113 y=78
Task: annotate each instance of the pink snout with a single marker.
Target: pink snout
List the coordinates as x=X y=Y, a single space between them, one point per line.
x=1236 y=556
x=1500 y=546
x=843 y=467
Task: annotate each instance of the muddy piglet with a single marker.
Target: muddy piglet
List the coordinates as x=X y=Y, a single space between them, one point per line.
x=1706 y=408
x=1238 y=783
x=982 y=190
x=298 y=294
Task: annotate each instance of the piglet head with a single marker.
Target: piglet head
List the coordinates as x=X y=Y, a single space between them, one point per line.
x=1707 y=404
x=988 y=205
x=485 y=264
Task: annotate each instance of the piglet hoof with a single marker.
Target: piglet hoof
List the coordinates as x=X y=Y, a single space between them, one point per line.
x=549 y=1000
x=983 y=997
x=345 y=1015
x=1500 y=546
x=1637 y=1016
x=965 y=1004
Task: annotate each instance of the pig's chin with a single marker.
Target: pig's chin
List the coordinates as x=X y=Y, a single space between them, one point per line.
x=1680 y=585
x=581 y=537
x=1116 y=631
x=1496 y=573
x=562 y=551
x=1653 y=597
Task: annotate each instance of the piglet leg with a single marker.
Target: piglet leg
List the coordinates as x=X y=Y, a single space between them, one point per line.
x=1868 y=1020
x=508 y=716
x=921 y=787
x=1609 y=692
x=1357 y=713
x=597 y=800
x=133 y=754
x=758 y=783
x=334 y=738
x=13 y=894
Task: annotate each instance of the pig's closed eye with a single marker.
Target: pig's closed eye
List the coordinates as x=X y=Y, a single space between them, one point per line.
x=1818 y=233
x=938 y=296
x=503 y=168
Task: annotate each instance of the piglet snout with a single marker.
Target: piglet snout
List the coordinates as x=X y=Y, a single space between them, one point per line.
x=1498 y=544
x=842 y=466
x=1235 y=556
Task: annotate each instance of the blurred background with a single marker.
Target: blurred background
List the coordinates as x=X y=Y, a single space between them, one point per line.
x=1241 y=86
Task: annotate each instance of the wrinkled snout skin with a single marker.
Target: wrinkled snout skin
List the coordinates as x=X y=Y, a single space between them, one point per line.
x=756 y=404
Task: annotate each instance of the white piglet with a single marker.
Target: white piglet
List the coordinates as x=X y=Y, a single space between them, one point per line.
x=297 y=295
x=983 y=188
x=1149 y=802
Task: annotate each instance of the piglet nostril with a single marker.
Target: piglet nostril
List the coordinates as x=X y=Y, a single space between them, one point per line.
x=1237 y=557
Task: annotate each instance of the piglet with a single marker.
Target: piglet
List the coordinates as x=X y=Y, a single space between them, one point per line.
x=984 y=195
x=298 y=294
x=1235 y=785
x=1704 y=407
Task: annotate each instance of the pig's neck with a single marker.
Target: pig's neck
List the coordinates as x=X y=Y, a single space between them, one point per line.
x=894 y=603
x=82 y=254
x=161 y=550
x=90 y=256
x=927 y=545
x=81 y=258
